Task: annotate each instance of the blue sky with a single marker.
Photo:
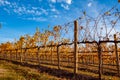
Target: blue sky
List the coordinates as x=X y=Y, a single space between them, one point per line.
x=20 y=17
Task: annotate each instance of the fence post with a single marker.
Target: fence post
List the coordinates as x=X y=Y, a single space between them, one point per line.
x=3 y=55
x=117 y=55
x=21 y=55
x=100 y=60
x=75 y=47
x=51 y=54
x=58 y=56
x=10 y=55
x=37 y=55
x=25 y=55
x=16 y=54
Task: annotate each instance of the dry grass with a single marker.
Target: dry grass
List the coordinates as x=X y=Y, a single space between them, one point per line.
x=9 y=71
x=32 y=71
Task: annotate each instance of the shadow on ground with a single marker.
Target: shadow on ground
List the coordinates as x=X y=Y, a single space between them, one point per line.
x=55 y=72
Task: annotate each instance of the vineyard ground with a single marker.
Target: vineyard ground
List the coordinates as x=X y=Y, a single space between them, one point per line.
x=11 y=71
x=28 y=71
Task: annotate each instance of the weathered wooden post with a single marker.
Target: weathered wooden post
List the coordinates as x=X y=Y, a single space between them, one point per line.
x=25 y=56
x=21 y=55
x=37 y=55
x=100 y=60
x=21 y=48
x=11 y=55
x=75 y=47
x=1 y=54
x=58 y=56
x=117 y=55
x=16 y=54
x=51 y=54
x=4 y=55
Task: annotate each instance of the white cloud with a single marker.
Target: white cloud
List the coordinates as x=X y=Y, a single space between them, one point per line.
x=68 y=1
x=7 y=10
x=55 y=16
x=31 y=11
x=4 y=2
x=89 y=4
x=59 y=1
x=55 y=10
x=7 y=3
x=51 y=6
x=22 y=9
x=34 y=8
x=44 y=11
x=65 y=1
x=38 y=19
x=65 y=6
x=54 y=1
x=37 y=13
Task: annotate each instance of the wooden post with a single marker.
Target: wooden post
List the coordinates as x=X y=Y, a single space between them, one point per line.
x=4 y=55
x=93 y=59
x=21 y=55
x=58 y=56
x=25 y=56
x=51 y=54
x=11 y=55
x=117 y=55
x=100 y=60
x=68 y=61
x=1 y=54
x=37 y=55
x=75 y=47
x=15 y=54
